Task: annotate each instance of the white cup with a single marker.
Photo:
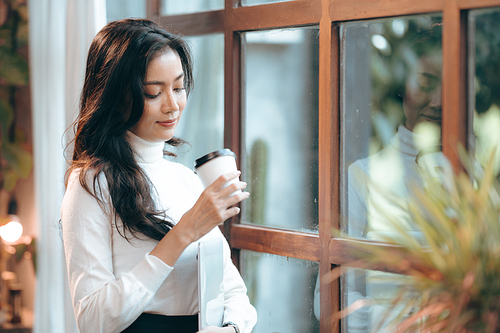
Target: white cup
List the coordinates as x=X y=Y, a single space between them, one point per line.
x=215 y=164
x=432 y=161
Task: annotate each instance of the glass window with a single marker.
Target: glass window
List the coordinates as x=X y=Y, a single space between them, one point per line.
x=376 y=290
x=391 y=116
x=282 y=290
x=175 y=7
x=281 y=128
x=484 y=28
x=202 y=122
x=391 y=131
x=259 y=2
x=121 y=9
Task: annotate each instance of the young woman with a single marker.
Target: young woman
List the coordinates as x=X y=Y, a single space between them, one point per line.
x=131 y=219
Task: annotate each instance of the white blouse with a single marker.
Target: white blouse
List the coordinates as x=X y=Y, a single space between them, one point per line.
x=113 y=280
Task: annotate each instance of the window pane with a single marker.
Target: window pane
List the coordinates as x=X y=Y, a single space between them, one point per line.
x=260 y=2
x=121 y=9
x=282 y=290
x=391 y=126
x=391 y=109
x=175 y=7
x=378 y=290
x=485 y=92
x=202 y=122
x=281 y=128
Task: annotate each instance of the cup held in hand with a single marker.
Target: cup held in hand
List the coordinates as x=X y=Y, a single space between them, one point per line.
x=215 y=164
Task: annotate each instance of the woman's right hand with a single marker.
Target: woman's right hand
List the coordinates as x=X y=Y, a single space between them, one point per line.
x=214 y=206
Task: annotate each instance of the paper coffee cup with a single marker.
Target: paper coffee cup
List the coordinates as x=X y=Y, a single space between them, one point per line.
x=432 y=161
x=213 y=165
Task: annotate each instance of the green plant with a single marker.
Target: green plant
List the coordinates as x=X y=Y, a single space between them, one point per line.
x=455 y=273
x=15 y=158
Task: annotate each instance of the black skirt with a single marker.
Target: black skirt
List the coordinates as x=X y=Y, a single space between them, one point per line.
x=155 y=323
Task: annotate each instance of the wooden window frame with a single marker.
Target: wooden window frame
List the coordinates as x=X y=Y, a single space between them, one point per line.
x=328 y=14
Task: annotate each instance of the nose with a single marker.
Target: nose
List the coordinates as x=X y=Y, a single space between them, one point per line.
x=436 y=99
x=170 y=103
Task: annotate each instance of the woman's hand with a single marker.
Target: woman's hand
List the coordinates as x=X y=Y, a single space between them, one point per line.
x=215 y=329
x=214 y=206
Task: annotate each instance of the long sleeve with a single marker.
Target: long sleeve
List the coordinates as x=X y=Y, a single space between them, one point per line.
x=102 y=301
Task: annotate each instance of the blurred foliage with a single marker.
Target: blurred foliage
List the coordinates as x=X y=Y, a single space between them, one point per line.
x=15 y=157
x=455 y=270
x=487 y=83
x=487 y=80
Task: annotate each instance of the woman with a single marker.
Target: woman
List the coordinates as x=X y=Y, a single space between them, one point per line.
x=131 y=219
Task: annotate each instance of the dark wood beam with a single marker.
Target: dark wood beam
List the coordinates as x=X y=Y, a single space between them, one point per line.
x=194 y=24
x=301 y=245
x=342 y=10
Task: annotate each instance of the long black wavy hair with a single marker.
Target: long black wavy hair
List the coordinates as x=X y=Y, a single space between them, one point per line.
x=112 y=101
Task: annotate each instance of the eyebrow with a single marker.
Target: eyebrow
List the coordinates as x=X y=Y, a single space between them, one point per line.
x=180 y=76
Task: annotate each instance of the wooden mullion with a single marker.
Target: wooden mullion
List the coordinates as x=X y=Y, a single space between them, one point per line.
x=300 y=245
x=454 y=81
x=471 y=4
x=329 y=204
x=341 y=10
x=196 y=23
x=277 y=15
x=232 y=102
x=343 y=252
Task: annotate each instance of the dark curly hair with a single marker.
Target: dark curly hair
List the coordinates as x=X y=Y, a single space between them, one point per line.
x=112 y=101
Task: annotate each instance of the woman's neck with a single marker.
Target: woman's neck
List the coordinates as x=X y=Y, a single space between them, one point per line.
x=145 y=151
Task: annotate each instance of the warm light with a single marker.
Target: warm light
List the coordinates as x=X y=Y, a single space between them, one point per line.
x=11 y=232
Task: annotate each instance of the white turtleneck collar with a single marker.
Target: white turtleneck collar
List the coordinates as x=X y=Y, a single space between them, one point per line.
x=404 y=141
x=145 y=151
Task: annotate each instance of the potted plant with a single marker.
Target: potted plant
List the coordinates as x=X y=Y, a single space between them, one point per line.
x=454 y=284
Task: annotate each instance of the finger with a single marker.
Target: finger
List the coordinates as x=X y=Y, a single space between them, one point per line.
x=219 y=182
x=233 y=211
x=236 y=198
x=230 y=189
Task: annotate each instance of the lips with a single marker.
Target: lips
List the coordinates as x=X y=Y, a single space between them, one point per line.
x=431 y=117
x=167 y=123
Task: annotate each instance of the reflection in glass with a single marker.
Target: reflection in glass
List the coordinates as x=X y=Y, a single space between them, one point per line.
x=378 y=290
x=282 y=291
x=202 y=122
x=281 y=128
x=484 y=26
x=176 y=7
x=259 y=2
x=391 y=124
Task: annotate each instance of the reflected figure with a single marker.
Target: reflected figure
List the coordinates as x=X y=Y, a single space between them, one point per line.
x=393 y=170
x=379 y=185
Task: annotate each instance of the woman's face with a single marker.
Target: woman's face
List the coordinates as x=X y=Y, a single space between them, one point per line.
x=422 y=99
x=164 y=98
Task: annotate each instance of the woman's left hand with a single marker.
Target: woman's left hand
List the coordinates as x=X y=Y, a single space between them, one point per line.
x=215 y=329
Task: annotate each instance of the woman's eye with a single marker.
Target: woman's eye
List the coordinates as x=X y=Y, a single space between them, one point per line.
x=152 y=96
x=179 y=89
x=427 y=84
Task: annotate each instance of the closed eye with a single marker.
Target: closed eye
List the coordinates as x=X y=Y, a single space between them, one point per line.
x=152 y=96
